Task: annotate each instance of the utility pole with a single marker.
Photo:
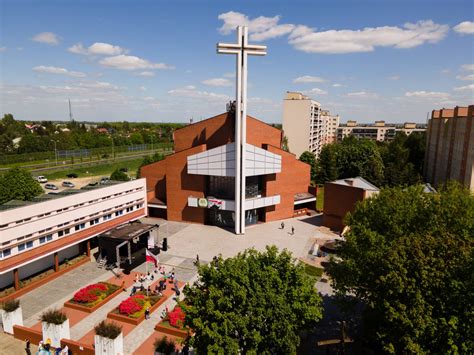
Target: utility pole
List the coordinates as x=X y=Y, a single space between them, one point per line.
x=70 y=110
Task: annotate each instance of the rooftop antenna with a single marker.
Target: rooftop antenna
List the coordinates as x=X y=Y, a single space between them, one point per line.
x=70 y=110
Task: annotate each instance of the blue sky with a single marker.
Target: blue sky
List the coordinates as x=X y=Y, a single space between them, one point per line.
x=156 y=60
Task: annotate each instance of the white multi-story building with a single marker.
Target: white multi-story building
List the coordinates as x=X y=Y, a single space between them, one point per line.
x=36 y=235
x=306 y=126
x=379 y=131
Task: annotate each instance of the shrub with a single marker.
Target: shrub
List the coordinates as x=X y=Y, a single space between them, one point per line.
x=90 y=293
x=109 y=330
x=176 y=317
x=165 y=345
x=132 y=305
x=54 y=316
x=10 y=305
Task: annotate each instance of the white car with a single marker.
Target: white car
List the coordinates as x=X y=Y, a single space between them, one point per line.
x=41 y=179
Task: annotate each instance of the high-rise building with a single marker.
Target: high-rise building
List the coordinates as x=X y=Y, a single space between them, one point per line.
x=450 y=146
x=378 y=131
x=307 y=127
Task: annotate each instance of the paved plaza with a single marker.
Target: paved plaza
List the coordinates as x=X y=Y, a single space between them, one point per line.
x=185 y=242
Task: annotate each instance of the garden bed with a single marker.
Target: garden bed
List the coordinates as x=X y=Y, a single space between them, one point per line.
x=136 y=317
x=173 y=324
x=89 y=298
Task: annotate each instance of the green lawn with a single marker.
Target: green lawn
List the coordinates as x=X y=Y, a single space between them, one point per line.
x=97 y=170
x=320 y=198
x=313 y=272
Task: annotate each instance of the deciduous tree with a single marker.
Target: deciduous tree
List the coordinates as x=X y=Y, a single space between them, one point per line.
x=18 y=184
x=409 y=257
x=254 y=303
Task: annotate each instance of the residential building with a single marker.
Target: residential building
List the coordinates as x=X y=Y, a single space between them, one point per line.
x=331 y=125
x=340 y=198
x=379 y=131
x=40 y=234
x=197 y=182
x=450 y=146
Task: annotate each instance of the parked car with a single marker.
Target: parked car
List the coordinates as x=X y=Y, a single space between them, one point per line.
x=68 y=184
x=92 y=183
x=104 y=180
x=41 y=179
x=72 y=176
x=50 y=187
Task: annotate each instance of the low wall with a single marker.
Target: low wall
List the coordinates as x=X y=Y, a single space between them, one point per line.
x=171 y=331
x=22 y=333
x=42 y=281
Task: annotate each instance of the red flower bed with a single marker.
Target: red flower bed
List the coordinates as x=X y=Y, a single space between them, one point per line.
x=89 y=293
x=132 y=305
x=176 y=317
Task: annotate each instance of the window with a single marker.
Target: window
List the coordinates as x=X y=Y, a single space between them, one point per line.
x=107 y=217
x=29 y=244
x=21 y=247
x=49 y=237
x=60 y=233
x=42 y=240
x=66 y=231
x=94 y=221
x=80 y=226
x=6 y=252
x=119 y=213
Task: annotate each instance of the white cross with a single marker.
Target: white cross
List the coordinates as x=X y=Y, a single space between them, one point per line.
x=241 y=49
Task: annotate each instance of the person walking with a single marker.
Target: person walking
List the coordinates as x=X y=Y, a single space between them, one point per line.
x=147 y=313
x=282 y=225
x=292 y=230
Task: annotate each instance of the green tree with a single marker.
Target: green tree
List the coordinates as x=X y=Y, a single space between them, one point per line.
x=409 y=257
x=253 y=303
x=17 y=184
x=149 y=160
x=326 y=166
x=284 y=144
x=310 y=159
x=119 y=175
x=136 y=138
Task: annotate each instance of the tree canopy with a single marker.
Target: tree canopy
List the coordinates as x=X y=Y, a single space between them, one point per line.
x=119 y=175
x=254 y=303
x=409 y=257
x=310 y=159
x=18 y=184
x=395 y=163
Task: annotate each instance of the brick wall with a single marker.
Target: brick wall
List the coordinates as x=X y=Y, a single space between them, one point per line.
x=338 y=201
x=155 y=175
x=294 y=178
x=260 y=133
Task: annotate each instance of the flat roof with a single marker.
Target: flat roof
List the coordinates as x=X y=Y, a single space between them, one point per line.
x=128 y=231
x=51 y=196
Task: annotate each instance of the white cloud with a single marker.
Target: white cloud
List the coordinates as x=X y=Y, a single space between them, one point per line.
x=308 y=79
x=366 y=40
x=97 y=48
x=191 y=92
x=47 y=37
x=467 y=67
x=58 y=70
x=466 y=27
x=130 y=62
x=3 y=49
x=315 y=91
x=428 y=94
x=309 y=40
x=469 y=87
x=229 y=75
x=469 y=77
x=260 y=28
x=445 y=71
x=146 y=73
x=363 y=94
x=217 y=82
x=98 y=85
x=394 y=77
x=339 y=85
x=142 y=88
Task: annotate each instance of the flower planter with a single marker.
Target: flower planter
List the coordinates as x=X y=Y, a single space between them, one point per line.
x=107 y=346
x=9 y=319
x=79 y=307
x=55 y=332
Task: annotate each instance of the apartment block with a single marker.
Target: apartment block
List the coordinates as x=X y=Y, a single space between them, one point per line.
x=378 y=131
x=306 y=125
x=450 y=146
